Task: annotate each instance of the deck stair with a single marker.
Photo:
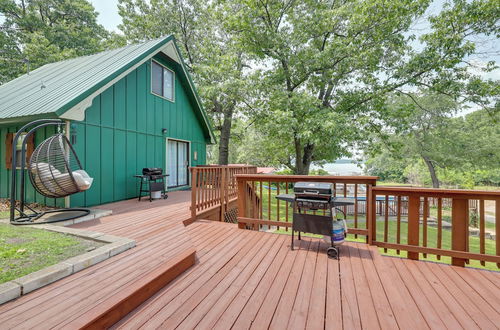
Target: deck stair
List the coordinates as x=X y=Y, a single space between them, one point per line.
x=101 y=295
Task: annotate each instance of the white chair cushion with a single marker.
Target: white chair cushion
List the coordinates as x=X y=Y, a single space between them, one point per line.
x=82 y=179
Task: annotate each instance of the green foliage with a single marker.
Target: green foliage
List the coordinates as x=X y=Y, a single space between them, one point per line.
x=464 y=150
x=215 y=61
x=325 y=69
x=37 y=32
x=386 y=166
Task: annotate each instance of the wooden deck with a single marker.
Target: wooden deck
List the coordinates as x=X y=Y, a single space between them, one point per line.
x=246 y=279
x=103 y=293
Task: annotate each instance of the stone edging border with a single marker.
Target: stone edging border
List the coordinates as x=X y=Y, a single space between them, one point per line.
x=23 y=285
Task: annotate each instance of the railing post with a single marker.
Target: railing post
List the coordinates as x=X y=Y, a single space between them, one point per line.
x=371 y=214
x=413 y=224
x=459 y=228
x=241 y=201
x=194 y=177
x=223 y=188
x=497 y=228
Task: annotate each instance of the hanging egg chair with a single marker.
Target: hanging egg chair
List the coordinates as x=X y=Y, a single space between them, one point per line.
x=55 y=170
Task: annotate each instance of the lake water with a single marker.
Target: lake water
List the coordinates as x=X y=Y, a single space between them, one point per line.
x=342 y=168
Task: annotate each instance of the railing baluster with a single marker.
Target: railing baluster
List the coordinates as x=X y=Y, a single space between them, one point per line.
x=356 y=208
x=210 y=187
x=287 y=205
x=497 y=227
x=386 y=221
x=367 y=189
x=269 y=202
x=424 y=229
x=398 y=222
x=345 y=195
x=261 y=206
x=254 y=201
x=278 y=203
x=482 y=230
x=204 y=193
x=439 y=224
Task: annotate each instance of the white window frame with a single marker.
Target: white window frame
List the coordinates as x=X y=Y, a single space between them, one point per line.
x=190 y=162
x=173 y=81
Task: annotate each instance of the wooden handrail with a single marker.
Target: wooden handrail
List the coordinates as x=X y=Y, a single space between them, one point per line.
x=433 y=192
x=310 y=178
x=381 y=213
x=419 y=200
x=272 y=212
x=214 y=186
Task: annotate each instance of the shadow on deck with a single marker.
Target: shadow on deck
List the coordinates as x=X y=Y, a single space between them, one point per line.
x=248 y=279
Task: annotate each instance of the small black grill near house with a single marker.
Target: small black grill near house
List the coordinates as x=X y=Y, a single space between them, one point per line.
x=152 y=172
x=154 y=180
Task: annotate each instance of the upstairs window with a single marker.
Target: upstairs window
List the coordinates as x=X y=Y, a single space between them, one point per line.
x=162 y=81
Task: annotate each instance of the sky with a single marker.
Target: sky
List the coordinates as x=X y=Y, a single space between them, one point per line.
x=108 y=13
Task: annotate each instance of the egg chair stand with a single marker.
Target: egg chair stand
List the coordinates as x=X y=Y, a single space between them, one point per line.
x=54 y=170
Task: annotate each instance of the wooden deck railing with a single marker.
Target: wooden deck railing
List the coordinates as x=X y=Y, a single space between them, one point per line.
x=214 y=187
x=262 y=208
x=445 y=231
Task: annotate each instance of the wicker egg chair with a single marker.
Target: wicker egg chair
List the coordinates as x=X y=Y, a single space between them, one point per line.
x=55 y=170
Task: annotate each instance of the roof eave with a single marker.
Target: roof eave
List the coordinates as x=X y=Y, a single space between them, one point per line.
x=9 y=121
x=208 y=125
x=74 y=102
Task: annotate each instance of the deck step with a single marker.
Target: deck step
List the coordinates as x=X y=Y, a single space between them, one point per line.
x=116 y=307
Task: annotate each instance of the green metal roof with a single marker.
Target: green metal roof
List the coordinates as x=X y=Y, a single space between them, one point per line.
x=53 y=89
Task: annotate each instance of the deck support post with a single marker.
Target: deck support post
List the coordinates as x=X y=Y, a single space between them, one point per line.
x=194 y=178
x=241 y=202
x=223 y=192
x=413 y=224
x=459 y=228
x=371 y=215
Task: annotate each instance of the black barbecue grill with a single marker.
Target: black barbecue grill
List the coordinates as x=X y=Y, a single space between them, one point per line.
x=153 y=179
x=314 y=210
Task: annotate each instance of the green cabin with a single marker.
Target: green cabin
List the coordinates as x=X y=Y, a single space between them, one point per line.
x=125 y=109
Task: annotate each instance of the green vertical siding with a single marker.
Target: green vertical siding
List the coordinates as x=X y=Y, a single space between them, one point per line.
x=121 y=134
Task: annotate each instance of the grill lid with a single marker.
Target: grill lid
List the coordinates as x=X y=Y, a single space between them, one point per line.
x=152 y=171
x=311 y=189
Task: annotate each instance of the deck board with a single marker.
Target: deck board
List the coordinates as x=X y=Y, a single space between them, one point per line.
x=279 y=288
x=245 y=279
x=162 y=244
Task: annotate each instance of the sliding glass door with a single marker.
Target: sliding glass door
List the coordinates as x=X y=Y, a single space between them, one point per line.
x=177 y=163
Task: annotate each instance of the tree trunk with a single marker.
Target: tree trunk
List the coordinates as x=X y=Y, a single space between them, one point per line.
x=303 y=157
x=432 y=171
x=225 y=134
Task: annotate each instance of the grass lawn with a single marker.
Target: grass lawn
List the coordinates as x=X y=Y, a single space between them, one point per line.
x=431 y=232
x=25 y=250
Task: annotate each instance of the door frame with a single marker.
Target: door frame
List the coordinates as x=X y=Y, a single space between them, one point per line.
x=188 y=158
